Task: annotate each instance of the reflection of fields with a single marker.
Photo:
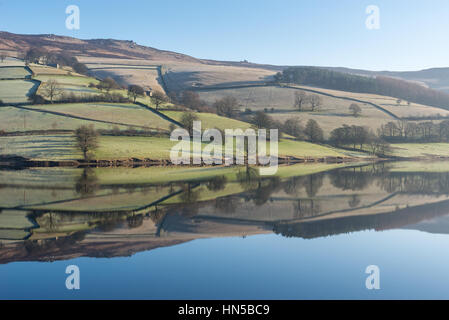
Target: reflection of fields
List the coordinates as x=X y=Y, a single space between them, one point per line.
x=62 y=213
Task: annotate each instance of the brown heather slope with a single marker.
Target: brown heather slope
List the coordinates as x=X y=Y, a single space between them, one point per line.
x=109 y=48
x=96 y=47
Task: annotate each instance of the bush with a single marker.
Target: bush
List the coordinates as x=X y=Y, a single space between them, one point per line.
x=36 y=99
x=106 y=97
x=80 y=68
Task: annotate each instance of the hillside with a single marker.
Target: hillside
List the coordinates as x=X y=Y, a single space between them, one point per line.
x=435 y=78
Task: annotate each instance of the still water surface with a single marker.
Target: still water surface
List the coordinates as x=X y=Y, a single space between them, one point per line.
x=230 y=235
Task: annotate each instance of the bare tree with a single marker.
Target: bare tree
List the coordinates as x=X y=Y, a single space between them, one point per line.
x=51 y=89
x=108 y=84
x=227 y=106
x=313 y=131
x=186 y=121
x=301 y=98
x=315 y=102
x=355 y=109
x=86 y=140
x=159 y=98
x=261 y=120
x=135 y=91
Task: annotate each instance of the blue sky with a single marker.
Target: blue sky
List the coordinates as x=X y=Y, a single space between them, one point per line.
x=413 y=33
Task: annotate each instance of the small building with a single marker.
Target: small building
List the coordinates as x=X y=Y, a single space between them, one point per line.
x=148 y=91
x=54 y=65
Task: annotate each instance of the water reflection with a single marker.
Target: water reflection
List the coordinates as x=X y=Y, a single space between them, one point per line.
x=49 y=214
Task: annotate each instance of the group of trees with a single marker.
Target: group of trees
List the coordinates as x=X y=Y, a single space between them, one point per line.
x=301 y=99
x=411 y=131
x=227 y=107
x=403 y=90
x=107 y=84
x=38 y=55
x=350 y=135
x=357 y=137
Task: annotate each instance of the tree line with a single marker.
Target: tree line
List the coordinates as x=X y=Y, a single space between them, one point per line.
x=401 y=89
x=412 y=131
x=41 y=56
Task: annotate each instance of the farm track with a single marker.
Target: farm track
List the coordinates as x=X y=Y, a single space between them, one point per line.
x=378 y=107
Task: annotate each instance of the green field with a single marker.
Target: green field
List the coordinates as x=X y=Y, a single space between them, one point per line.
x=13 y=73
x=14 y=119
x=279 y=104
x=159 y=148
x=125 y=113
x=115 y=148
x=40 y=147
x=420 y=150
x=61 y=147
x=419 y=166
x=17 y=91
x=210 y=120
x=67 y=79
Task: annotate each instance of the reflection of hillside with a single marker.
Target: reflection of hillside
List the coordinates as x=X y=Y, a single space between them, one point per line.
x=378 y=222
x=100 y=221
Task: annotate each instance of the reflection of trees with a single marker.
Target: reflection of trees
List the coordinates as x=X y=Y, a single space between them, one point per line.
x=305 y=208
x=87 y=183
x=249 y=178
x=135 y=221
x=354 y=201
x=217 y=183
x=384 y=221
x=265 y=189
x=49 y=222
x=421 y=182
x=41 y=246
x=293 y=185
x=189 y=194
x=313 y=183
x=350 y=179
x=226 y=205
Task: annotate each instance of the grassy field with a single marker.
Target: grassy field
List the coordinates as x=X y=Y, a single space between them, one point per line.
x=17 y=91
x=14 y=119
x=61 y=147
x=159 y=148
x=48 y=147
x=12 y=62
x=13 y=73
x=420 y=150
x=210 y=120
x=40 y=70
x=76 y=84
x=134 y=147
x=124 y=75
x=331 y=114
x=185 y=76
x=419 y=166
x=67 y=79
x=126 y=114
x=389 y=103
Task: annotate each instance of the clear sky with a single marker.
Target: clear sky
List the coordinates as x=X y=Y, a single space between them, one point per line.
x=413 y=34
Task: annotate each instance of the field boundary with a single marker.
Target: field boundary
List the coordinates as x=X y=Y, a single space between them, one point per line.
x=160 y=114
